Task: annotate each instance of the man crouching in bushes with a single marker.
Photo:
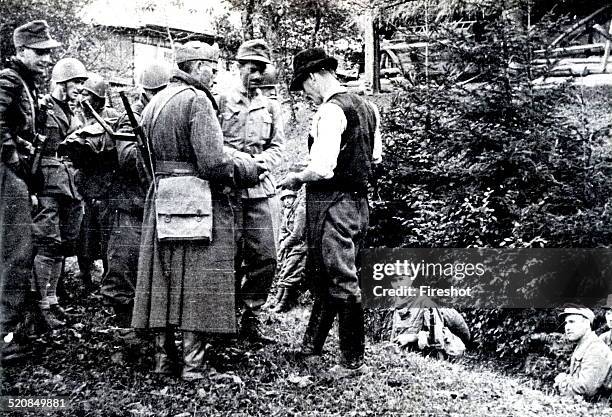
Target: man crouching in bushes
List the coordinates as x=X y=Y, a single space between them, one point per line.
x=591 y=359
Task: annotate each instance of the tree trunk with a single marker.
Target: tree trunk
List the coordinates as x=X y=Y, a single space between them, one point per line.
x=317 y=27
x=372 y=48
x=247 y=20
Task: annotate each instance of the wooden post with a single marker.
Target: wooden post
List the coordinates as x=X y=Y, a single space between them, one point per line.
x=372 y=51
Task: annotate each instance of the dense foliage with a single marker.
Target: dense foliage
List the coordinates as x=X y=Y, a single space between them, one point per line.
x=497 y=164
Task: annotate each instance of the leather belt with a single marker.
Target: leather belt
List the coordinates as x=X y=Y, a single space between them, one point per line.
x=174 y=168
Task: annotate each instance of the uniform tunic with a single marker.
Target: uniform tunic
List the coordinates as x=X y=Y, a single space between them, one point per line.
x=58 y=219
x=254 y=126
x=18 y=116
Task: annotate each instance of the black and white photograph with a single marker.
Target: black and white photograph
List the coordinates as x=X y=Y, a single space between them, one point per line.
x=306 y=208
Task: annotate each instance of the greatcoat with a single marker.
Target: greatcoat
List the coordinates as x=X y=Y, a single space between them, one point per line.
x=188 y=284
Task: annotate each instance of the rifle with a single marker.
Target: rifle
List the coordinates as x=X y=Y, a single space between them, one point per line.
x=109 y=130
x=143 y=142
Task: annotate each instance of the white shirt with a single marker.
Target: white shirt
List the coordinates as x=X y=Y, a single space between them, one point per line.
x=328 y=124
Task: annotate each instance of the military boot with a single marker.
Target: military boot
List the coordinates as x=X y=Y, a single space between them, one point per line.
x=287 y=301
x=51 y=319
x=165 y=353
x=193 y=356
x=250 y=328
x=320 y=323
x=351 y=335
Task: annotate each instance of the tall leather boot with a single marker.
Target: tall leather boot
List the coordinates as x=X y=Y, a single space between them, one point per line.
x=351 y=335
x=165 y=353
x=352 y=345
x=123 y=314
x=320 y=323
x=287 y=300
x=193 y=356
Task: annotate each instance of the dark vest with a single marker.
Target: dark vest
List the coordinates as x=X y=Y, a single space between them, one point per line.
x=354 y=168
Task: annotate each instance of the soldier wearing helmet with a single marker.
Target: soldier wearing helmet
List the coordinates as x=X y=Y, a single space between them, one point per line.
x=94 y=178
x=95 y=91
x=252 y=125
x=126 y=210
x=58 y=216
x=292 y=250
x=154 y=78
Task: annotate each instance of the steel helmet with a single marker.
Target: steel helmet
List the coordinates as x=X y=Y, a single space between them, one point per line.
x=96 y=85
x=155 y=75
x=288 y=193
x=67 y=69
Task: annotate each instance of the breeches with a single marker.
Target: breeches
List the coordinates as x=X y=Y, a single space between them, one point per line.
x=56 y=226
x=335 y=245
x=119 y=283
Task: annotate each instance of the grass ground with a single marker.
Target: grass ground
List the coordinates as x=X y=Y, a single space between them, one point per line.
x=102 y=375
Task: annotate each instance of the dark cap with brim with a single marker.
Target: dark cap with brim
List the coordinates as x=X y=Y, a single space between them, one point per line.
x=34 y=35
x=309 y=61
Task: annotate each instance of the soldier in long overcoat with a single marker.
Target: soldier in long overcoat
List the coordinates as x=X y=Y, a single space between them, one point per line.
x=187 y=284
x=19 y=114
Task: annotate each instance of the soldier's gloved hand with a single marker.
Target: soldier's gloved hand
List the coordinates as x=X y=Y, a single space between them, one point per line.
x=34 y=201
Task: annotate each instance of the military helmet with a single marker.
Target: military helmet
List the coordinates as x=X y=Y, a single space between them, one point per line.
x=154 y=76
x=96 y=85
x=67 y=69
x=288 y=193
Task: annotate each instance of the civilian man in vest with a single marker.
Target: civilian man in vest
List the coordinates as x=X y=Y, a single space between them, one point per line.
x=343 y=145
x=252 y=125
x=58 y=218
x=127 y=207
x=607 y=336
x=94 y=180
x=591 y=359
x=19 y=121
x=186 y=281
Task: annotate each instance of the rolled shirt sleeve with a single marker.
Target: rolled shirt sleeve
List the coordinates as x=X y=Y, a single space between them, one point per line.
x=377 y=150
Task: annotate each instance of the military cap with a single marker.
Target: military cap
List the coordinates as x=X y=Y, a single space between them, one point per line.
x=254 y=50
x=580 y=311
x=196 y=51
x=34 y=35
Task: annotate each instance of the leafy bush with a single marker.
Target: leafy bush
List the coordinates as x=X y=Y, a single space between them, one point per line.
x=500 y=164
